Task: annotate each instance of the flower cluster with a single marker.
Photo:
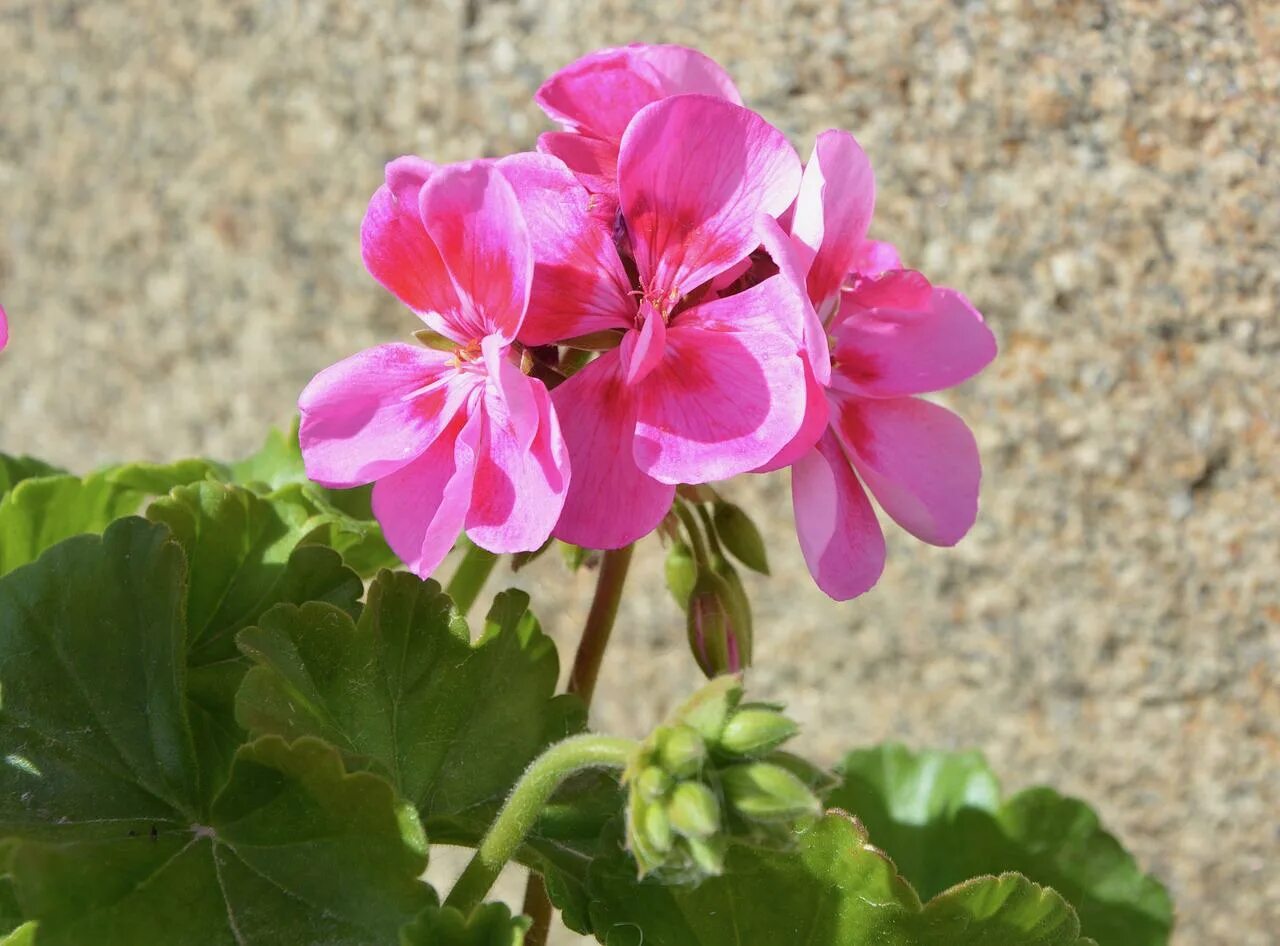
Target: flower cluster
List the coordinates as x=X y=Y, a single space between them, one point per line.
x=660 y=295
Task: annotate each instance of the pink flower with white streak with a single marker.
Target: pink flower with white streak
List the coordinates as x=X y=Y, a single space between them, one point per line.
x=595 y=98
x=892 y=336
x=457 y=440
x=700 y=386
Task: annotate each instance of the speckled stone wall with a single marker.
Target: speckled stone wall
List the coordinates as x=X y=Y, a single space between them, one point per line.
x=180 y=191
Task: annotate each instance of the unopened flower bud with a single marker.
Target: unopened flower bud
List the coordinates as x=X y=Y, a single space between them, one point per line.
x=739 y=535
x=681 y=751
x=657 y=828
x=653 y=783
x=715 y=627
x=754 y=731
x=761 y=791
x=708 y=855
x=693 y=810
x=682 y=572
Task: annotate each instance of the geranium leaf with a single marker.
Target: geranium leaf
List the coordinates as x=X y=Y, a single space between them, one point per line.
x=939 y=816
x=42 y=507
x=831 y=888
x=490 y=924
x=404 y=692
x=113 y=835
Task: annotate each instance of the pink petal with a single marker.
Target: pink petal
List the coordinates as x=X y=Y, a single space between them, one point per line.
x=694 y=174
x=373 y=413
x=918 y=459
x=681 y=69
x=471 y=214
x=579 y=284
x=833 y=210
x=642 y=350
x=610 y=502
x=598 y=94
x=4 y=329
x=720 y=403
x=399 y=254
x=522 y=468
x=793 y=259
x=875 y=257
x=594 y=162
x=422 y=506
x=816 y=416
x=405 y=177
x=839 y=535
x=896 y=289
x=891 y=352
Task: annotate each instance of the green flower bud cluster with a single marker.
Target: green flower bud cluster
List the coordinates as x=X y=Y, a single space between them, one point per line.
x=710 y=774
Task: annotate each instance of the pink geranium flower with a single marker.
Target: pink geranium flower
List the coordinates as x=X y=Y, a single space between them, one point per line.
x=595 y=98
x=703 y=383
x=888 y=335
x=4 y=329
x=453 y=440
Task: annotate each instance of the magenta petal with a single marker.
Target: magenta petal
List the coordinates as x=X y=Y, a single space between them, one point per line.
x=522 y=469
x=833 y=211
x=4 y=329
x=694 y=174
x=579 y=284
x=373 y=413
x=889 y=352
x=598 y=94
x=896 y=289
x=839 y=535
x=816 y=416
x=681 y=69
x=471 y=214
x=610 y=502
x=642 y=350
x=918 y=459
x=720 y=403
x=875 y=257
x=593 y=161
x=405 y=177
x=422 y=506
x=399 y=254
x=793 y=259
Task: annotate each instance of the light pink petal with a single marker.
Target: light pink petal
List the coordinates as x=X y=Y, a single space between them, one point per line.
x=422 y=506
x=889 y=352
x=793 y=259
x=4 y=329
x=720 y=403
x=833 y=210
x=875 y=257
x=599 y=93
x=373 y=413
x=642 y=350
x=405 y=177
x=816 y=416
x=895 y=289
x=522 y=468
x=610 y=502
x=579 y=284
x=694 y=174
x=593 y=161
x=471 y=214
x=681 y=69
x=918 y=459
x=839 y=535
x=399 y=254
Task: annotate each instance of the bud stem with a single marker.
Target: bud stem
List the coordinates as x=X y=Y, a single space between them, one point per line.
x=695 y=534
x=473 y=571
x=525 y=803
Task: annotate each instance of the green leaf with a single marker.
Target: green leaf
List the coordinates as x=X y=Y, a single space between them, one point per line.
x=490 y=924
x=404 y=692
x=13 y=470
x=42 y=510
x=939 y=816
x=24 y=935
x=350 y=526
x=114 y=835
x=242 y=549
x=831 y=888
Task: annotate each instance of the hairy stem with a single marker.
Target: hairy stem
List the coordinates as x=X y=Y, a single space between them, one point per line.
x=595 y=633
x=473 y=571
x=525 y=803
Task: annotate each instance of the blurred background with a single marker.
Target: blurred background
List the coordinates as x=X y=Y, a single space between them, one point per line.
x=181 y=186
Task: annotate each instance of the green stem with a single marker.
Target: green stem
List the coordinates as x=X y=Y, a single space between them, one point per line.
x=525 y=803
x=695 y=534
x=473 y=571
x=595 y=633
